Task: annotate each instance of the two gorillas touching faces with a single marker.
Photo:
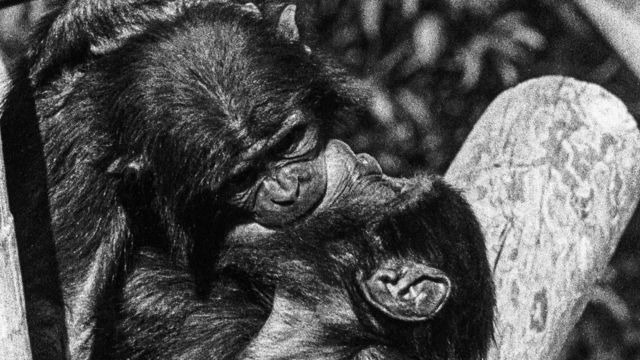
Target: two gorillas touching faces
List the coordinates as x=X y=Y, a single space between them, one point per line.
x=176 y=196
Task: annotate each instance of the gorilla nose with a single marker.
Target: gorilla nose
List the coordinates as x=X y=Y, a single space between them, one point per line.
x=286 y=187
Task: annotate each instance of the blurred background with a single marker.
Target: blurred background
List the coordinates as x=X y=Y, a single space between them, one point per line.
x=435 y=65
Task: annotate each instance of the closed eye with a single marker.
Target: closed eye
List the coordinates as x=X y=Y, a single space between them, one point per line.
x=302 y=140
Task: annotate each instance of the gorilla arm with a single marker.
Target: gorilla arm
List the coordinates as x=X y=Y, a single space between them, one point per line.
x=162 y=318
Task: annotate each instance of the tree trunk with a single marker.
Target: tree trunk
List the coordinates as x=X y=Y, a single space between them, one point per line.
x=552 y=171
x=14 y=338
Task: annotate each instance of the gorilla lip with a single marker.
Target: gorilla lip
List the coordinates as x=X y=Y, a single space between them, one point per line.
x=368 y=165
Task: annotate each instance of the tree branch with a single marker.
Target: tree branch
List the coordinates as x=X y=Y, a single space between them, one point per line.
x=552 y=172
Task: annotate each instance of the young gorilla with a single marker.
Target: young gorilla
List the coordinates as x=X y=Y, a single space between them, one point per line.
x=382 y=273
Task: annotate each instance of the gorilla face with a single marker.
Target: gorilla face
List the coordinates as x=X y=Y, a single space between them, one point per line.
x=299 y=188
x=310 y=174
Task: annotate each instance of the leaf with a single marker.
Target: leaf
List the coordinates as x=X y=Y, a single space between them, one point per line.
x=414 y=105
x=371 y=17
x=513 y=26
x=410 y=8
x=381 y=106
x=508 y=72
x=470 y=58
x=429 y=38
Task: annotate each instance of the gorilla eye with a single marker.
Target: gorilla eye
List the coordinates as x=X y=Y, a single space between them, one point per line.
x=301 y=141
x=241 y=187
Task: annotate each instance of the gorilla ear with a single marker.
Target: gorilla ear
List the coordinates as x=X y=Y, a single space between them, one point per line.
x=407 y=292
x=287 y=26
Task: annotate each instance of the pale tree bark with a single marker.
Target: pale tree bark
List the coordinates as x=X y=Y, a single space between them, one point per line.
x=14 y=338
x=552 y=172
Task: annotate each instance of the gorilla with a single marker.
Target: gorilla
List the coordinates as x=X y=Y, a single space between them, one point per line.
x=379 y=274
x=137 y=130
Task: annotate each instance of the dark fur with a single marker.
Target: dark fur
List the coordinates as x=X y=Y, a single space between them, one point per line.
x=315 y=264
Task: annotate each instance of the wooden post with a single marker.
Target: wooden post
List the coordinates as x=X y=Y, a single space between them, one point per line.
x=14 y=337
x=552 y=172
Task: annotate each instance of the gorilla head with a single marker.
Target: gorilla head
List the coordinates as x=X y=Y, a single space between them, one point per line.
x=396 y=272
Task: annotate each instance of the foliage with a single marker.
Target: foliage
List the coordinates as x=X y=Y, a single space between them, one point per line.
x=433 y=66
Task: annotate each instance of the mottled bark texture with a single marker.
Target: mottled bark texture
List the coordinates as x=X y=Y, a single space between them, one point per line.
x=552 y=171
